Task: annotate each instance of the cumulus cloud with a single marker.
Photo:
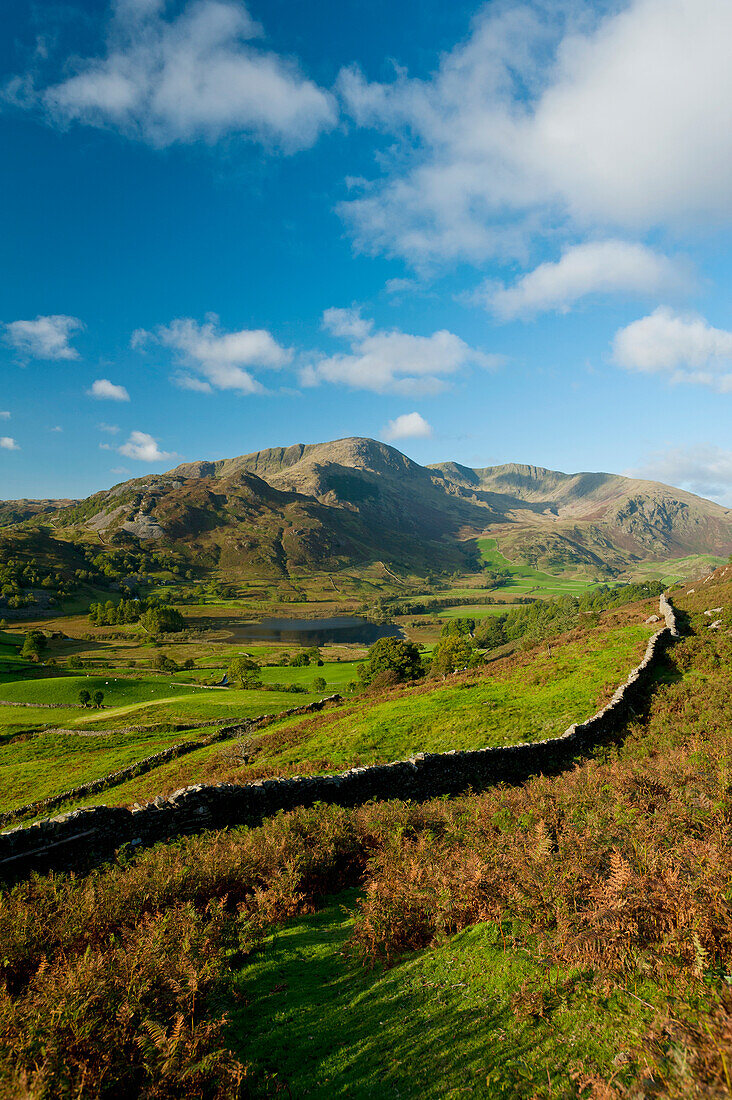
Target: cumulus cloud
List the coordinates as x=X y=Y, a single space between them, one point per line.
x=220 y=360
x=390 y=361
x=104 y=390
x=200 y=74
x=143 y=448
x=4 y=415
x=7 y=443
x=686 y=348
x=408 y=426
x=561 y=115
x=703 y=469
x=44 y=338
x=111 y=429
x=595 y=267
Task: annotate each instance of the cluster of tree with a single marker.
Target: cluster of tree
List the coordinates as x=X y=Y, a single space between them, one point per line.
x=543 y=619
x=304 y=657
x=390 y=661
x=455 y=649
x=18 y=579
x=162 y=620
x=122 y=562
x=86 y=699
x=120 y=614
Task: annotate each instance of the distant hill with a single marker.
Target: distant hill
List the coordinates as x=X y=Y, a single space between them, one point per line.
x=356 y=501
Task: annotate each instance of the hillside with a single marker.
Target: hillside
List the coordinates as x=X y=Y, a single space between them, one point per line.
x=563 y=938
x=354 y=502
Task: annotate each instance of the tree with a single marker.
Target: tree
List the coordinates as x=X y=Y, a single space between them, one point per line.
x=490 y=633
x=392 y=655
x=98 y=699
x=458 y=626
x=84 y=698
x=245 y=672
x=163 y=663
x=162 y=620
x=454 y=652
x=74 y=662
x=319 y=684
x=35 y=642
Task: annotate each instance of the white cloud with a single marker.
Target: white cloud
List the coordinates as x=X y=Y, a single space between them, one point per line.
x=104 y=390
x=190 y=382
x=44 y=338
x=143 y=448
x=684 y=347
x=4 y=415
x=58 y=428
x=197 y=75
x=552 y=115
x=7 y=443
x=225 y=360
x=703 y=469
x=408 y=426
x=111 y=429
x=391 y=361
x=346 y=322
x=595 y=267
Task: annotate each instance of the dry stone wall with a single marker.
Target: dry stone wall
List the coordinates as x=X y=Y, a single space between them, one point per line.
x=81 y=838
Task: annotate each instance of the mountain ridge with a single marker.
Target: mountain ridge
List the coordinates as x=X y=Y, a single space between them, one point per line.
x=355 y=500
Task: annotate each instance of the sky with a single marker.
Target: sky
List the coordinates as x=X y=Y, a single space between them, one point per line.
x=484 y=233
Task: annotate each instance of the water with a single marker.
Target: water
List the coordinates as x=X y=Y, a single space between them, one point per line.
x=343 y=628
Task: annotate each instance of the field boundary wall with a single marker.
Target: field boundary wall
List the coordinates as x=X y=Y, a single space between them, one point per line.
x=81 y=838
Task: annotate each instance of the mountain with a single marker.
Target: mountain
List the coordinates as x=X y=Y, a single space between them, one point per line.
x=555 y=519
x=352 y=502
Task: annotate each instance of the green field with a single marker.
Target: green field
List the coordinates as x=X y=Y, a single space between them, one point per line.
x=475 y=611
x=525 y=580
x=48 y=764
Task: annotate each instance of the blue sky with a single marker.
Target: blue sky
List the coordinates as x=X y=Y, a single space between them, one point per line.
x=486 y=233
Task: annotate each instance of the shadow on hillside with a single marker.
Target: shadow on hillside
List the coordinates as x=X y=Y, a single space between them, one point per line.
x=318 y=1023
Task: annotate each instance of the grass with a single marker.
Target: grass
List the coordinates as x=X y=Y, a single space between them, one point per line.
x=526 y=580
x=441 y=1023
x=48 y=764
x=475 y=611
x=536 y=697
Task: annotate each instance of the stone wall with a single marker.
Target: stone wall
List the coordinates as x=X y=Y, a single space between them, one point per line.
x=84 y=837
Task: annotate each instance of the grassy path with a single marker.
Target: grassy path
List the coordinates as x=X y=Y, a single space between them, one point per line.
x=441 y=1023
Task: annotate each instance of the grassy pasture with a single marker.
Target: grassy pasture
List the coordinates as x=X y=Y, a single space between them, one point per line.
x=48 y=764
x=526 y=580
x=527 y=697
x=534 y=697
x=475 y=611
